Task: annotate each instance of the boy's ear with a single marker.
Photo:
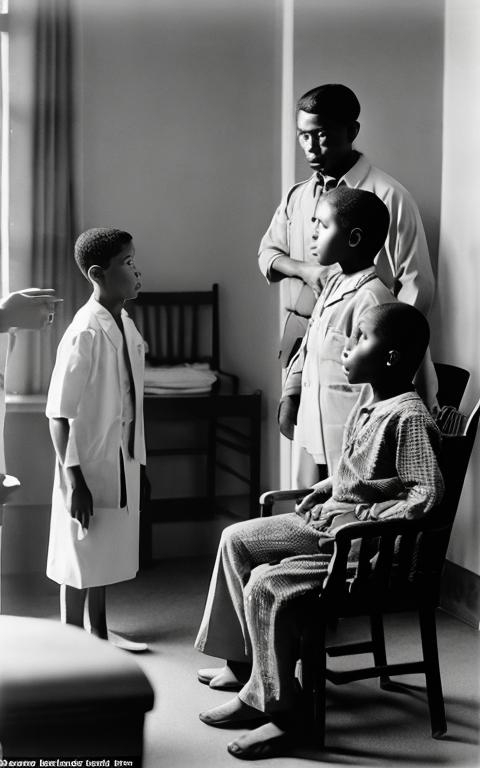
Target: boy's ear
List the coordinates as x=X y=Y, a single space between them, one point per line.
x=95 y=273
x=356 y=235
x=393 y=356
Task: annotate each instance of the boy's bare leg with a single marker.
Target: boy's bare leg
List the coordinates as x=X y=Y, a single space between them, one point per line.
x=97 y=612
x=72 y=605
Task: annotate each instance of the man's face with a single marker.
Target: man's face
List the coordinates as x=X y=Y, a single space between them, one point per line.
x=325 y=143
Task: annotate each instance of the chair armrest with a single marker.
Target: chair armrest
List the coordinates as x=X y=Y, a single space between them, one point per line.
x=268 y=499
x=372 y=528
x=392 y=526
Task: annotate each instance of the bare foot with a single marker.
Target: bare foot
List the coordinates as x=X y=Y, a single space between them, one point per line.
x=268 y=740
x=233 y=712
x=125 y=644
x=231 y=677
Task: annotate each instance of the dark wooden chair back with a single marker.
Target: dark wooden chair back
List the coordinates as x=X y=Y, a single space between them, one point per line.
x=182 y=328
x=452 y=382
x=407 y=567
x=179 y=327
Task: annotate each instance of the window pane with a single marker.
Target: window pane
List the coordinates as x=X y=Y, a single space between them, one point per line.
x=4 y=142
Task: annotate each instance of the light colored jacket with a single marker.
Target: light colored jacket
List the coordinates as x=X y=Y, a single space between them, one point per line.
x=403 y=263
x=316 y=373
x=86 y=389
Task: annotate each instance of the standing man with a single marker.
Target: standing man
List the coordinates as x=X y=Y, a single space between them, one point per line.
x=327 y=126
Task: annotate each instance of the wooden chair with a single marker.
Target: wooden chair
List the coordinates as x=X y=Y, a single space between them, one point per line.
x=404 y=575
x=183 y=328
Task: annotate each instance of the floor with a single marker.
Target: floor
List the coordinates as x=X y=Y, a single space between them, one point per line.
x=365 y=726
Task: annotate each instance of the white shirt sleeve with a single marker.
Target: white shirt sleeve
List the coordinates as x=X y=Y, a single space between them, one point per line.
x=275 y=242
x=70 y=375
x=407 y=245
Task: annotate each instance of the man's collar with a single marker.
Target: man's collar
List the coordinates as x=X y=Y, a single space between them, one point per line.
x=357 y=173
x=352 y=178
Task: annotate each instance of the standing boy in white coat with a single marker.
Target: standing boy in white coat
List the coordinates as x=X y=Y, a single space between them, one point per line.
x=95 y=408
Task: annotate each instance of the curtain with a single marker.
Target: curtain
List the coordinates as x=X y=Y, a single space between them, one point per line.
x=53 y=205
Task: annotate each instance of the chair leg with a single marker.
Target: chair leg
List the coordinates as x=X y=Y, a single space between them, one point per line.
x=379 y=652
x=436 y=703
x=313 y=678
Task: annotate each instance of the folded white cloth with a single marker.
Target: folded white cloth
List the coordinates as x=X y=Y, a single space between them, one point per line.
x=178 y=379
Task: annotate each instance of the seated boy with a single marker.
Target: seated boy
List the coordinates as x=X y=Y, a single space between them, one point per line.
x=388 y=468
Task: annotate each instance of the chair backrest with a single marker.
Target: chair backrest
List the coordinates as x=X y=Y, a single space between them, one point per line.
x=452 y=382
x=409 y=555
x=179 y=327
x=455 y=456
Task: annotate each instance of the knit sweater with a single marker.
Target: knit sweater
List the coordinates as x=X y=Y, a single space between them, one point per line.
x=389 y=462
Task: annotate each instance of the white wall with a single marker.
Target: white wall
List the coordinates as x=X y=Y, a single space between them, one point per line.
x=179 y=145
x=179 y=142
x=457 y=314
x=390 y=52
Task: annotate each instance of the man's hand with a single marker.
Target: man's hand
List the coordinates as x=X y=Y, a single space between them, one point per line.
x=32 y=308
x=314 y=276
x=287 y=414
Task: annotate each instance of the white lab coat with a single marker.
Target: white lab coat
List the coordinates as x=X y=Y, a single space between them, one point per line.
x=90 y=388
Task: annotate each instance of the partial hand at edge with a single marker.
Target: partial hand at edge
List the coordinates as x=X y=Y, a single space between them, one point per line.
x=30 y=308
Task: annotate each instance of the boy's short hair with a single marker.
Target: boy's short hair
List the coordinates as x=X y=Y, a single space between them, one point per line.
x=362 y=209
x=99 y=245
x=331 y=101
x=404 y=328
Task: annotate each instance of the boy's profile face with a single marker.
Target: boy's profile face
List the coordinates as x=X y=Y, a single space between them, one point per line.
x=121 y=279
x=330 y=240
x=365 y=356
x=324 y=142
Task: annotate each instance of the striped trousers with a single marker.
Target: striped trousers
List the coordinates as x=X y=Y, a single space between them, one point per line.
x=262 y=566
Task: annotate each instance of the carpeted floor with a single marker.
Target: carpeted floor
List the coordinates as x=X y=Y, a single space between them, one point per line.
x=365 y=726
